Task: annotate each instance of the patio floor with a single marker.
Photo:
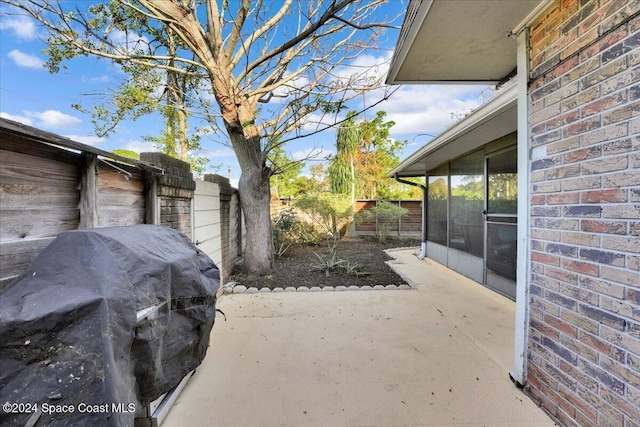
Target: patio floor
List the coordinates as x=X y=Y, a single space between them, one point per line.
x=437 y=355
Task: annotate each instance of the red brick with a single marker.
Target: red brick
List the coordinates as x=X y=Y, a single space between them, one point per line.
x=604 y=196
x=563 y=198
x=581 y=267
x=555 y=398
x=582 y=126
x=585 y=380
x=609 y=227
x=545 y=258
x=578 y=403
x=596 y=343
x=538 y=199
x=545 y=329
x=605 y=103
x=605 y=41
x=561 y=69
x=561 y=325
x=583 y=154
x=562 y=275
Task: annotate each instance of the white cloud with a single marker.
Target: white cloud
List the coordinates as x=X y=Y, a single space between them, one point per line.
x=141 y=146
x=53 y=119
x=20 y=119
x=313 y=153
x=94 y=80
x=86 y=139
x=214 y=154
x=25 y=60
x=23 y=28
x=367 y=65
x=129 y=42
x=428 y=109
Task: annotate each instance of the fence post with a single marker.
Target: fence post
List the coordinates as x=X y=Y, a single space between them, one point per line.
x=89 y=192
x=400 y=220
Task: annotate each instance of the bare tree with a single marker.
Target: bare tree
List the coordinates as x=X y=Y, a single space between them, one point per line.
x=271 y=66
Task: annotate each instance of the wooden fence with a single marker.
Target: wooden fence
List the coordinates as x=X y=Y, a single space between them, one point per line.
x=50 y=184
x=409 y=225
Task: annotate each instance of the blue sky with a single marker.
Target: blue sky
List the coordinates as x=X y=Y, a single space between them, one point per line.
x=31 y=95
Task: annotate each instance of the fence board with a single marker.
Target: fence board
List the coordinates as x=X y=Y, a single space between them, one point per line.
x=408 y=225
x=113 y=216
x=17 y=255
x=20 y=168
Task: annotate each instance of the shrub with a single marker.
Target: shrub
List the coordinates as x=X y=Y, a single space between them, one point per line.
x=288 y=229
x=333 y=264
x=386 y=214
x=330 y=212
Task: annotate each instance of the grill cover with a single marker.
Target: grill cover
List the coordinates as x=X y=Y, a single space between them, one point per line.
x=103 y=322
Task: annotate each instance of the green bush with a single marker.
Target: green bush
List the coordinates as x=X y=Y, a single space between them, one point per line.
x=330 y=212
x=288 y=229
x=386 y=213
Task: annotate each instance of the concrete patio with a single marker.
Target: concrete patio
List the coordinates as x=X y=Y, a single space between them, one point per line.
x=437 y=355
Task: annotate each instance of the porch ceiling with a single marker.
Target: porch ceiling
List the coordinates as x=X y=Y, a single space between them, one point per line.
x=494 y=119
x=458 y=41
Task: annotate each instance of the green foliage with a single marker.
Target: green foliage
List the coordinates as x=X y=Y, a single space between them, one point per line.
x=438 y=189
x=366 y=151
x=289 y=230
x=126 y=153
x=386 y=213
x=340 y=176
x=284 y=172
x=330 y=212
x=399 y=191
x=380 y=154
x=333 y=264
x=328 y=265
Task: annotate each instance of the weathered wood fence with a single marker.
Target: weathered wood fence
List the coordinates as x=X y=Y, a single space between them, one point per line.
x=50 y=184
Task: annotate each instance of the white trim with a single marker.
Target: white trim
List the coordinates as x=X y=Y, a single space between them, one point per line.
x=523 y=272
x=406 y=43
x=443 y=82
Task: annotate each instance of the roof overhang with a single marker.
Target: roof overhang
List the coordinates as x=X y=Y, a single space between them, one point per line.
x=494 y=119
x=465 y=41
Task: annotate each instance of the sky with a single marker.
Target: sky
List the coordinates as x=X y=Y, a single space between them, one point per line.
x=31 y=95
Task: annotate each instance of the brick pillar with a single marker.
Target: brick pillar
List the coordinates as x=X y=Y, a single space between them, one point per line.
x=174 y=191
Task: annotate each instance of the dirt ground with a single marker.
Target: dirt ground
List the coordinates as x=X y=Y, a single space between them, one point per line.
x=294 y=268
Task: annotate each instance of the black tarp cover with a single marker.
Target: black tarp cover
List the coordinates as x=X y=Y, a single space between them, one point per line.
x=70 y=339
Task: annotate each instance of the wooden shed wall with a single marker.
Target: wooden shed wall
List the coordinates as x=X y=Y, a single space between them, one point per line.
x=121 y=197
x=39 y=198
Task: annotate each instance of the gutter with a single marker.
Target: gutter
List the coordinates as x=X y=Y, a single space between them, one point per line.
x=425 y=193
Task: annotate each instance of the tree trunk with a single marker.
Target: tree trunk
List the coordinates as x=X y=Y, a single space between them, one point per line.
x=255 y=200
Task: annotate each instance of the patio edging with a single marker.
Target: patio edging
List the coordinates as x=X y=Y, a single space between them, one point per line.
x=236 y=288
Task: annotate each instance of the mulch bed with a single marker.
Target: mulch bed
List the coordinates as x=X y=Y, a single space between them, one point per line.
x=294 y=268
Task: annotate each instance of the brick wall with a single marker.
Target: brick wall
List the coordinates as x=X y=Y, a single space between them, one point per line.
x=174 y=191
x=584 y=342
